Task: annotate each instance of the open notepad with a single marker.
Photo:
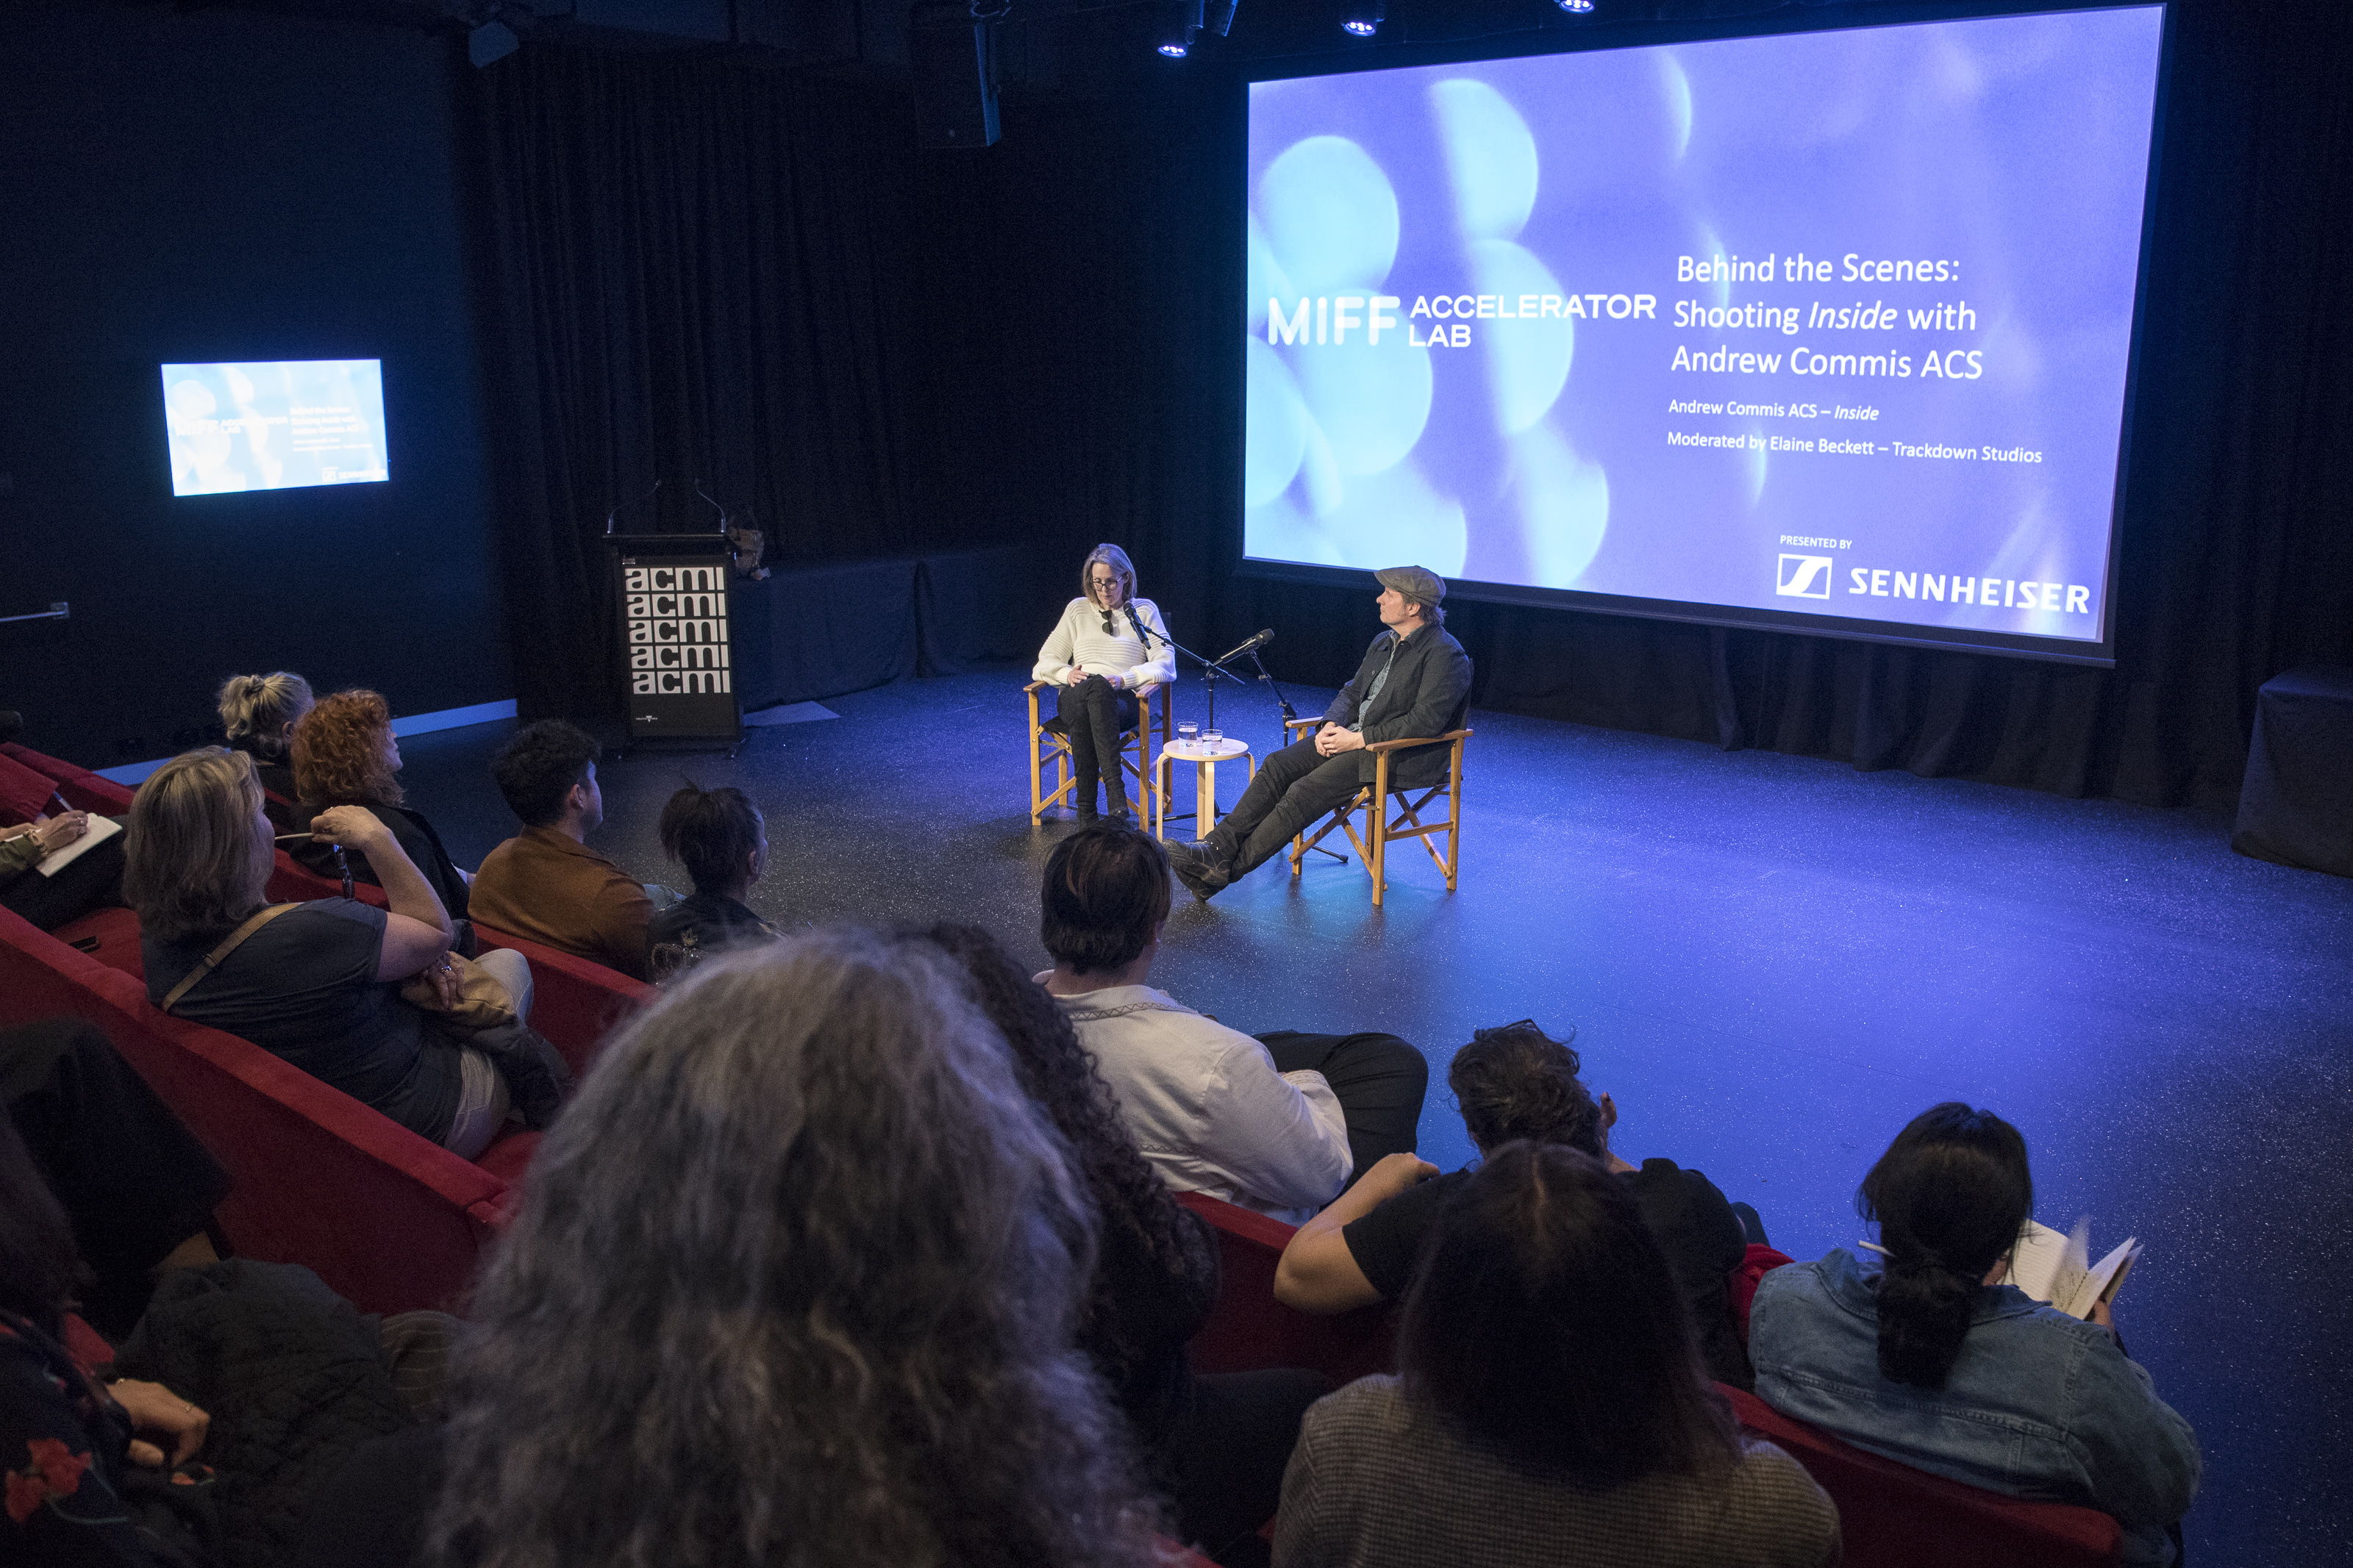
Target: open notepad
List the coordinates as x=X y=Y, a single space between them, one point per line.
x=100 y=830
x=2058 y=1268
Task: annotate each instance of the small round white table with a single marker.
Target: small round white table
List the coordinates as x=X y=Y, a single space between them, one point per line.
x=1205 y=760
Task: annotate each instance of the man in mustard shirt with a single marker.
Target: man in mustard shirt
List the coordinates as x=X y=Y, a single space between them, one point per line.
x=546 y=885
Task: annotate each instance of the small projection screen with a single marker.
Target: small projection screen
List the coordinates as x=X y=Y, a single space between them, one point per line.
x=274 y=424
x=1827 y=331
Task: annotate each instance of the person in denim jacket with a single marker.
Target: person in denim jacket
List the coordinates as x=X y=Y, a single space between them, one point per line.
x=1922 y=1354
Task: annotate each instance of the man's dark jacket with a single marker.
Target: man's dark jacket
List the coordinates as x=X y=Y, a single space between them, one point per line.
x=1428 y=691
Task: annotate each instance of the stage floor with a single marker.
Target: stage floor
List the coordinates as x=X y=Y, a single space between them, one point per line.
x=1771 y=961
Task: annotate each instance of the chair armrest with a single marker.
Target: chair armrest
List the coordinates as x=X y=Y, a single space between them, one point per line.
x=1315 y=724
x=1139 y=691
x=1378 y=746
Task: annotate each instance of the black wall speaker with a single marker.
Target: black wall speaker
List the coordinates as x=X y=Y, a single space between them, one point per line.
x=954 y=63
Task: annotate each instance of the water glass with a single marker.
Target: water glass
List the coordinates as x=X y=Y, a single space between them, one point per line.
x=1212 y=738
x=1187 y=731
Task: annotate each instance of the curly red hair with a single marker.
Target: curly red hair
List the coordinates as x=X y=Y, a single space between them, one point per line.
x=339 y=752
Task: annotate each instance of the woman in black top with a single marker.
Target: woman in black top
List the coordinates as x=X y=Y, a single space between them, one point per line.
x=346 y=754
x=1216 y=1444
x=719 y=836
x=1515 y=1083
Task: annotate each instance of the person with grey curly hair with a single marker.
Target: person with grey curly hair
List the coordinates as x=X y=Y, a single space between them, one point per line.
x=794 y=1280
x=1514 y=1082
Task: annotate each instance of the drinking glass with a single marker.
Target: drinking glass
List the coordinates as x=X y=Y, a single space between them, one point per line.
x=1212 y=738
x=1187 y=731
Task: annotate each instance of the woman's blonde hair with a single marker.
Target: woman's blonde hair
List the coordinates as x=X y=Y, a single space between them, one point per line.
x=338 y=751
x=191 y=865
x=1112 y=557
x=256 y=709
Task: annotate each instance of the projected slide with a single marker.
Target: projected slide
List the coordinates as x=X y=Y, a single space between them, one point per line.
x=274 y=426
x=1831 y=323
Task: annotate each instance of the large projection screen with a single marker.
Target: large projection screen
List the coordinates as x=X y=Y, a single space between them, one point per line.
x=1828 y=330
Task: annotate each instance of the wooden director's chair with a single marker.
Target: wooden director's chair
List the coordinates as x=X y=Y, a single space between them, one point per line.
x=1047 y=744
x=1373 y=799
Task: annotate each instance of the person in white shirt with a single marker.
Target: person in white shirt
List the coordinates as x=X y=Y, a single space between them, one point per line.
x=1281 y=1123
x=1107 y=644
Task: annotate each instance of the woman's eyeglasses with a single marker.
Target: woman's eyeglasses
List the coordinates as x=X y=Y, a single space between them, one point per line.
x=1108 y=629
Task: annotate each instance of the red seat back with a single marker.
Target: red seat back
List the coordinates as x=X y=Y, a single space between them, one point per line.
x=83 y=790
x=1248 y=1330
x=388 y=1219
x=1893 y=1516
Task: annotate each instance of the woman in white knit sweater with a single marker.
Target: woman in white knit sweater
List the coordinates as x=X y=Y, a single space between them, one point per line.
x=1097 y=656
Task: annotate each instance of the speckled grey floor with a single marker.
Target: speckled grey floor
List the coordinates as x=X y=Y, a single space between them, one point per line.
x=1772 y=963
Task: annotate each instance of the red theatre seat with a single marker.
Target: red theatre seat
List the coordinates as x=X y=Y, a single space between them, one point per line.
x=1250 y=1329
x=1893 y=1516
x=82 y=790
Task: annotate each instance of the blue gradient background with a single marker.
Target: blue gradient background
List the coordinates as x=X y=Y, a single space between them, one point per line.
x=1536 y=456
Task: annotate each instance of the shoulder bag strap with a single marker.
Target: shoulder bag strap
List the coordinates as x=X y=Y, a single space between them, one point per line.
x=230 y=944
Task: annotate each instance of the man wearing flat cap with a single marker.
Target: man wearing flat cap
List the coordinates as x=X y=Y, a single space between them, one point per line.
x=1415 y=680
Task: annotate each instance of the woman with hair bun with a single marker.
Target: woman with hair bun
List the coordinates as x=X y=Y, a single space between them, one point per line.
x=721 y=840
x=1107 y=644
x=1922 y=1353
x=257 y=713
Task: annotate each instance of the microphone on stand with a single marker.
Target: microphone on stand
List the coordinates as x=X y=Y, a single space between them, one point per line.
x=1248 y=644
x=618 y=505
x=1143 y=634
x=712 y=504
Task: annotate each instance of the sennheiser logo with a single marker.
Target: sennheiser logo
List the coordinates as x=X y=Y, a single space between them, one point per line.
x=1804 y=577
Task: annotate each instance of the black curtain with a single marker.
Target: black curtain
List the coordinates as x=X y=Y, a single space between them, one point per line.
x=699 y=264
x=701 y=273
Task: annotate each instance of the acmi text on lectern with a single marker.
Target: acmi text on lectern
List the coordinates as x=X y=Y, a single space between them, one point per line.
x=677 y=654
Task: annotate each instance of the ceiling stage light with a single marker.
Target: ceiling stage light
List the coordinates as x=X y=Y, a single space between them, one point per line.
x=1180 y=24
x=1362 y=18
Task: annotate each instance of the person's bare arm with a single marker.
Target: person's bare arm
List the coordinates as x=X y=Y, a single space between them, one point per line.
x=416 y=932
x=1318 y=1272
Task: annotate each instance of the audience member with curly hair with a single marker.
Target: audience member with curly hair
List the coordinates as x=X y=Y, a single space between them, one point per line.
x=1515 y=1081
x=1922 y=1353
x=345 y=753
x=794 y=1280
x=1550 y=1405
x=1216 y=1444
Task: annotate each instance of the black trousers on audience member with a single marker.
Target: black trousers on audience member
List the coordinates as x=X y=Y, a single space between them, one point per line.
x=1094 y=714
x=1378 y=1079
x=134 y=1181
x=1294 y=789
x=94 y=881
x=1227 y=1450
